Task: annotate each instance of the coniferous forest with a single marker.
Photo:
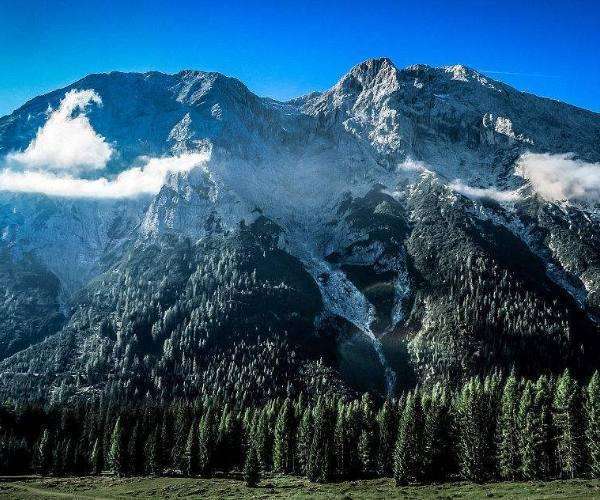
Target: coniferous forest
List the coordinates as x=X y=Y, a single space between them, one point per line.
x=492 y=428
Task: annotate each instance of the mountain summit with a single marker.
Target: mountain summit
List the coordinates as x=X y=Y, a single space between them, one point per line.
x=164 y=235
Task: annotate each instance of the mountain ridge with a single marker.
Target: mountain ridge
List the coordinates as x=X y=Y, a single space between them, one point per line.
x=411 y=237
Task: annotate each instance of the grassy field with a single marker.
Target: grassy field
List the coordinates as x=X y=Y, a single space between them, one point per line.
x=280 y=487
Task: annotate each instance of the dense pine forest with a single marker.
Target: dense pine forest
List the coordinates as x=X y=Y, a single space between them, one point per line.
x=485 y=429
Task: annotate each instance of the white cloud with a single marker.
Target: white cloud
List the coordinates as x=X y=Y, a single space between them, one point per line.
x=67 y=140
x=561 y=176
x=133 y=182
x=484 y=193
x=67 y=146
x=410 y=165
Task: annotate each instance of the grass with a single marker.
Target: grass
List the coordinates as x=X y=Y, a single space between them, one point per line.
x=280 y=487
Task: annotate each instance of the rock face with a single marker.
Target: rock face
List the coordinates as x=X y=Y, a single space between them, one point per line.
x=368 y=237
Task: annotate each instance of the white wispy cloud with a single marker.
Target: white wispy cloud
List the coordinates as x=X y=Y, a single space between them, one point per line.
x=137 y=181
x=67 y=146
x=410 y=165
x=560 y=176
x=484 y=193
x=67 y=140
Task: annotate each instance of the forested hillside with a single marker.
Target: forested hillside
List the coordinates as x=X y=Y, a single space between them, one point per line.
x=392 y=232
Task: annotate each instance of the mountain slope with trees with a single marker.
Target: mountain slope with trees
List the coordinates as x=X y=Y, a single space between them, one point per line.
x=374 y=237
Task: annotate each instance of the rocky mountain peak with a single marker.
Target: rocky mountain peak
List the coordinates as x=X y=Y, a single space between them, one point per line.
x=370 y=80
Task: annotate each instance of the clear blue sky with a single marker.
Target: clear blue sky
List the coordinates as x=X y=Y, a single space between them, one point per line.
x=284 y=48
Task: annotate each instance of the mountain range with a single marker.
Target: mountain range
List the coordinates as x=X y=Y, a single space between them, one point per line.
x=164 y=235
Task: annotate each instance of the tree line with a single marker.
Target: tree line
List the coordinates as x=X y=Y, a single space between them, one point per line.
x=490 y=428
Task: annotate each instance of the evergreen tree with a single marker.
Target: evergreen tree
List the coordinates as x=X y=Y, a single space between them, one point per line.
x=68 y=461
x=58 y=455
x=366 y=451
x=97 y=457
x=166 y=441
x=508 y=444
x=320 y=455
x=541 y=432
x=304 y=440
x=340 y=438
x=192 y=452
x=492 y=394
x=592 y=430
x=471 y=422
x=45 y=448
x=387 y=422
x=567 y=423
x=437 y=446
x=134 y=458
x=180 y=438
x=252 y=467
x=530 y=442
x=355 y=422
x=409 y=445
x=283 y=449
x=543 y=406
x=82 y=463
x=153 y=452
x=205 y=444
x=116 y=454
x=262 y=438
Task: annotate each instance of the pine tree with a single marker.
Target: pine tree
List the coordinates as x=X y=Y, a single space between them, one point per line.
x=97 y=457
x=471 y=422
x=191 y=454
x=263 y=438
x=58 y=458
x=437 y=446
x=409 y=445
x=543 y=405
x=340 y=438
x=153 y=451
x=492 y=395
x=180 y=439
x=367 y=438
x=45 y=447
x=133 y=452
x=68 y=462
x=387 y=422
x=82 y=464
x=527 y=430
x=252 y=467
x=568 y=425
x=508 y=444
x=116 y=454
x=354 y=420
x=321 y=447
x=205 y=444
x=283 y=449
x=166 y=441
x=304 y=440
x=592 y=431
x=366 y=451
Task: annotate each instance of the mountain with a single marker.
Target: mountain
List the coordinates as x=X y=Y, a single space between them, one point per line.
x=407 y=225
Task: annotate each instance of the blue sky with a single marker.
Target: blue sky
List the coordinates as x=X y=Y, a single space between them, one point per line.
x=283 y=48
